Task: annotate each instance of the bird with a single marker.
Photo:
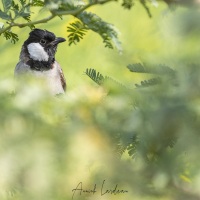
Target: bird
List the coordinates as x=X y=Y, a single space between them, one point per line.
x=37 y=58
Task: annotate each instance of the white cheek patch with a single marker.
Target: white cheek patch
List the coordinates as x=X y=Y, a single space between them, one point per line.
x=37 y=52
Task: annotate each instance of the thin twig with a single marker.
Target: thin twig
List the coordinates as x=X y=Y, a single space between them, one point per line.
x=35 y=22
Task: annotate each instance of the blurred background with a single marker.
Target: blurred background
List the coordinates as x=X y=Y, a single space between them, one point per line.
x=49 y=145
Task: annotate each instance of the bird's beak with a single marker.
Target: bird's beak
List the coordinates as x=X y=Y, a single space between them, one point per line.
x=58 y=40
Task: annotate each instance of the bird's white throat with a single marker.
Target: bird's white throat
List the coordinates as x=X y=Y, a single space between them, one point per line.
x=37 y=52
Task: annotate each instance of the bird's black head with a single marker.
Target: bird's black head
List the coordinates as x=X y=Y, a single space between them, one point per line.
x=41 y=45
x=40 y=36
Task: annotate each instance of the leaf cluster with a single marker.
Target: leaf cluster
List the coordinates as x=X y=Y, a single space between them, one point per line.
x=56 y=6
x=95 y=76
x=76 y=32
x=160 y=69
x=128 y=4
x=150 y=82
x=107 y=31
x=98 y=78
x=11 y=36
x=13 y=10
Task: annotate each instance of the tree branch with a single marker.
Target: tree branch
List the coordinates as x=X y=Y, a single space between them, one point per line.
x=78 y=11
x=35 y=22
x=54 y=14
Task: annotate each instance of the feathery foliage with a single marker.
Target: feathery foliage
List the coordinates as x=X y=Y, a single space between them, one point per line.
x=11 y=36
x=128 y=4
x=150 y=82
x=107 y=31
x=98 y=78
x=37 y=3
x=95 y=76
x=77 y=30
x=160 y=69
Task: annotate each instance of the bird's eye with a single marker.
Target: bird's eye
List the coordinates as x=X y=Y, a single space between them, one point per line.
x=42 y=41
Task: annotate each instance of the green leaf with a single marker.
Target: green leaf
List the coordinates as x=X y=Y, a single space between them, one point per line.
x=77 y=30
x=95 y=76
x=11 y=36
x=132 y=147
x=160 y=69
x=22 y=10
x=78 y=3
x=100 y=79
x=37 y=3
x=107 y=31
x=128 y=4
x=3 y=15
x=137 y=67
x=23 y=2
x=6 y=5
x=66 y=5
x=15 y=6
x=150 y=82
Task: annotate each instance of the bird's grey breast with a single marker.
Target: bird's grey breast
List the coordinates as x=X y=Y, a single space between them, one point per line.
x=21 y=68
x=54 y=76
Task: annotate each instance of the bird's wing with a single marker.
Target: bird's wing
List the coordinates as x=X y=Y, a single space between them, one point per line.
x=21 y=68
x=62 y=77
